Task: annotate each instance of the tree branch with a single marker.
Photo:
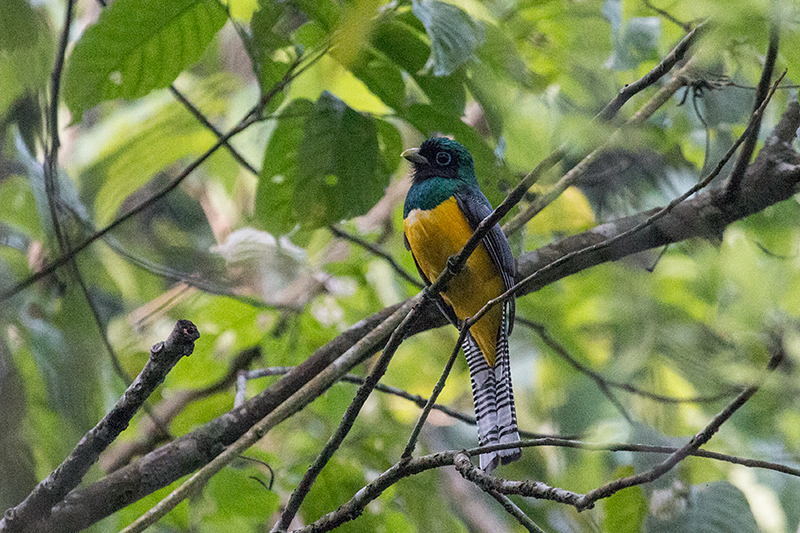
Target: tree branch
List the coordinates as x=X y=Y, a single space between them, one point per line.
x=163 y=357
x=771 y=178
x=703 y=436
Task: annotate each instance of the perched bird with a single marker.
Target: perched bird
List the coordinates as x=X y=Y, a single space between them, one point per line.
x=443 y=207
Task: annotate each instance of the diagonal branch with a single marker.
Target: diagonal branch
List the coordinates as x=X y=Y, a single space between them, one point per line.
x=703 y=436
x=773 y=177
x=163 y=357
x=762 y=94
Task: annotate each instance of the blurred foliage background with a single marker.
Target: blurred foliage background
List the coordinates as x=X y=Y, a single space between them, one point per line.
x=243 y=246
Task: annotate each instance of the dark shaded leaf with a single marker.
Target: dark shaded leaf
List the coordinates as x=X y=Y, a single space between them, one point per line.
x=713 y=508
x=279 y=171
x=338 y=173
x=18 y=28
x=382 y=78
x=401 y=43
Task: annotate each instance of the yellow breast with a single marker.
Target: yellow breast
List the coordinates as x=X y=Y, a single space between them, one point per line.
x=436 y=234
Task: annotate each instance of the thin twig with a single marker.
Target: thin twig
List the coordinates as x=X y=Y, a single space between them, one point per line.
x=676 y=54
x=602 y=382
x=302 y=397
x=680 y=79
x=679 y=455
x=762 y=93
x=649 y=221
x=437 y=389
x=512 y=509
x=251 y=117
x=419 y=401
x=687 y=26
x=205 y=122
x=363 y=393
x=378 y=251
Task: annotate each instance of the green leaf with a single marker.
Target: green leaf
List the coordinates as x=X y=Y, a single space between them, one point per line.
x=625 y=510
x=454 y=35
x=637 y=42
x=270 y=28
x=382 y=78
x=25 y=61
x=714 y=508
x=326 y=12
x=18 y=28
x=338 y=175
x=390 y=143
x=276 y=185
x=446 y=93
x=129 y=159
x=401 y=43
x=137 y=46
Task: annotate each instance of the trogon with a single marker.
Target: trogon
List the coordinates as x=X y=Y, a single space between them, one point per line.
x=442 y=210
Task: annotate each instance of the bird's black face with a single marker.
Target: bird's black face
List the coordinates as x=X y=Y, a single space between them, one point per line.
x=436 y=157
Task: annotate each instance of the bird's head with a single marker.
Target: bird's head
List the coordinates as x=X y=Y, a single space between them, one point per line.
x=440 y=157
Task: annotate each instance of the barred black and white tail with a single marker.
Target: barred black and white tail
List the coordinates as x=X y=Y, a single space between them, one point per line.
x=493 y=397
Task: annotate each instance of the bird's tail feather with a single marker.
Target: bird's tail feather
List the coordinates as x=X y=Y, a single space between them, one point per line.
x=493 y=397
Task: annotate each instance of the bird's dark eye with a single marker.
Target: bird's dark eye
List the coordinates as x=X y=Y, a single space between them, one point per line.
x=443 y=158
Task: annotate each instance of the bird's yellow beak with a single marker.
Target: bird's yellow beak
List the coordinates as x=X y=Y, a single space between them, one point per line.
x=413 y=155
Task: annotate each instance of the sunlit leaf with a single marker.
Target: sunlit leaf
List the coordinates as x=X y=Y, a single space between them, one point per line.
x=137 y=46
x=625 y=511
x=454 y=35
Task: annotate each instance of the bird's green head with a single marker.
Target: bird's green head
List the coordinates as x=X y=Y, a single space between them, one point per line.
x=440 y=157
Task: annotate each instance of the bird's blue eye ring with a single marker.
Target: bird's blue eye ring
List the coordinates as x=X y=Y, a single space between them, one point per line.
x=443 y=158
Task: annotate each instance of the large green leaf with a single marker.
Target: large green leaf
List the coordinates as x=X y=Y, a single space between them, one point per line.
x=402 y=42
x=714 y=508
x=18 y=28
x=625 y=510
x=454 y=35
x=275 y=191
x=338 y=175
x=25 y=57
x=137 y=46
x=135 y=144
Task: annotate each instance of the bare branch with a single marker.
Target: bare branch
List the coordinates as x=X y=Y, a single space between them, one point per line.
x=163 y=357
x=679 y=455
x=312 y=389
x=604 y=383
x=299 y=494
x=629 y=91
x=762 y=95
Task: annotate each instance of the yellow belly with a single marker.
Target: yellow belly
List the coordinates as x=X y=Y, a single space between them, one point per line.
x=434 y=236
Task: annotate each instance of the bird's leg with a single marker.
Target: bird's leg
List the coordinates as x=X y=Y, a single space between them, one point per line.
x=452 y=266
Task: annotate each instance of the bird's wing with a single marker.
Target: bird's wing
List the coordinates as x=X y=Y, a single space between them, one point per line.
x=476 y=207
